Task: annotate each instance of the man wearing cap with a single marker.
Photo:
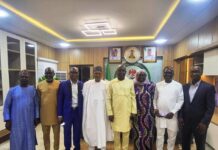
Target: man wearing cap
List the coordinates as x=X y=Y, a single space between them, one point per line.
x=168 y=99
x=94 y=114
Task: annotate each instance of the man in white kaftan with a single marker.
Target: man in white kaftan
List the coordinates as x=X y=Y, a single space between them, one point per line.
x=168 y=100
x=95 y=121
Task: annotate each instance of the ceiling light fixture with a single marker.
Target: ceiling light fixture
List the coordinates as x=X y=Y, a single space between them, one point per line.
x=92 y=32
x=3 y=13
x=160 y=41
x=110 y=32
x=98 y=29
x=64 y=45
x=97 y=26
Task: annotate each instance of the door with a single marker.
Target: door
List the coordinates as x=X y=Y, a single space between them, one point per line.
x=85 y=72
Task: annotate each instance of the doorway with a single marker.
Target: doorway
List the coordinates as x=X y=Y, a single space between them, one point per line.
x=85 y=72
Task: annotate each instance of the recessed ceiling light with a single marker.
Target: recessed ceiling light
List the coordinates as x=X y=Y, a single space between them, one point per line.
x=3 y=13
x=64 y=45
x=160 y=41
x=92 y=32
x=30 y=45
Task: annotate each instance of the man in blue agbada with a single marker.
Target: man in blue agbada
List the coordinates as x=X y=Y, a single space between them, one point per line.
x=21 y=114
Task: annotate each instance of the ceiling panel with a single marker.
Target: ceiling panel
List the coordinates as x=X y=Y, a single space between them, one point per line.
x=131 y=18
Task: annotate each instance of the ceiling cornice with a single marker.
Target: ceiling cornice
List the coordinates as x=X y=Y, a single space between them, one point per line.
x=54 y=33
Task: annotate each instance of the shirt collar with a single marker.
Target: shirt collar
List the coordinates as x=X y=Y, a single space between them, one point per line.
x=73 y=83
x=121 y=80
x=196 y=84
x=169 y=82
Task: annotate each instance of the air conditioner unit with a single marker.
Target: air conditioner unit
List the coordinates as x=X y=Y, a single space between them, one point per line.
x=61 y=75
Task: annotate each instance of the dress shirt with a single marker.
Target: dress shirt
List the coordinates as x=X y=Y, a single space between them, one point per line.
x=193 y=89
x=74 y=87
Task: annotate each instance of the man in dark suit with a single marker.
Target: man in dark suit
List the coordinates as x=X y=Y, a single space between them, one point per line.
x=70 y=108
x=197 y=110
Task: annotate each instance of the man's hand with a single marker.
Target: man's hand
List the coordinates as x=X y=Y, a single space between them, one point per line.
x=181 y=123
x=169 y=115
x=111 y=118
x=8 y=125
x=36 y=121
x=60 y=119
x=156 y=112
x=201 y=128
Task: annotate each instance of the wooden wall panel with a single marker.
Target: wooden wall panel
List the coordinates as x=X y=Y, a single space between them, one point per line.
x=192 y=42
x=204 y=37
x=167 y=53
x=184 y=49
x=99 y=54
x=189 y=66
x=62 y=56
x=209 y=79
x=46 y=51
x=183 y=71
x=176 y=66
x=176 y=52
x=215 y=30
x=81 y=56
x=95 y=56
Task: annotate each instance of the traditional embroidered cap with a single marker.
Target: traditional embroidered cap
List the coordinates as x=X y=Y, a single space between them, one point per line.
x=98 y=68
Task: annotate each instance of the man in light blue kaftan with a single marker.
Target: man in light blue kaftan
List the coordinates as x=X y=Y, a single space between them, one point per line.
x=21 y=112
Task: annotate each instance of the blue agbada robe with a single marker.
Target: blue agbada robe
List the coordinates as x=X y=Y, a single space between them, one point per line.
x=22 y=107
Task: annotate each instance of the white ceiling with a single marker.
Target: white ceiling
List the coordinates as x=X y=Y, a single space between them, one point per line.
x=130 y=18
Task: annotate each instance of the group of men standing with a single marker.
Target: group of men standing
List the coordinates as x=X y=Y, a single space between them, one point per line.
x=96 y=106
x=189 y=107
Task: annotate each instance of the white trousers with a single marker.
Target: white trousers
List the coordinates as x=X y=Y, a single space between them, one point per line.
x=160 y=139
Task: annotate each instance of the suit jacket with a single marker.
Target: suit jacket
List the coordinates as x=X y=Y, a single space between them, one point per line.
x=202 y=106
x=65 y=100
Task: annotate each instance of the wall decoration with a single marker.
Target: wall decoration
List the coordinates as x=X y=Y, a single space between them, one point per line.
x=149 y=54
x=115 y=54
x=153 y=70
x=131 y=70
x=132 y=54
